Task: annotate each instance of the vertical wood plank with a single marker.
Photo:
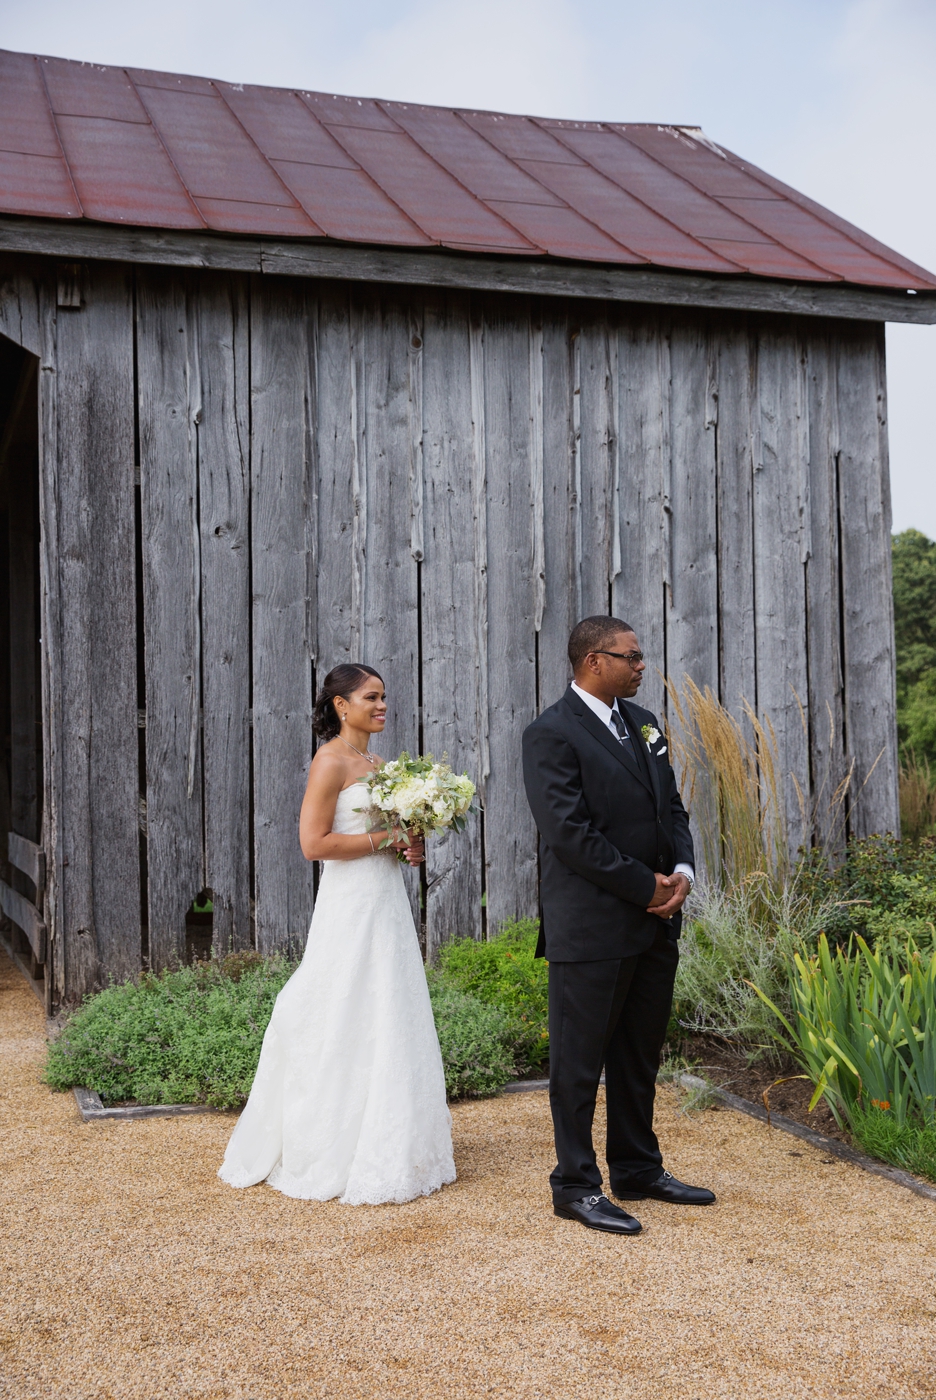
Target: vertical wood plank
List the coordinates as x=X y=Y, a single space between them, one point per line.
x=54 y=807
x=598 y=446
x=644 y=454
x=170 y=406
x=560 y=604
x=389 y=628
x=865 y=522
x=338 y=474
x=449 y=605
x=20 y=306
x=692 y=596
x=509 y=400
x=21 y=473
x=384 y=359
x=224 y=508
x=780 y=547
x=735 y=368
x=823 y=588
x=282 y=489
x=88 y=527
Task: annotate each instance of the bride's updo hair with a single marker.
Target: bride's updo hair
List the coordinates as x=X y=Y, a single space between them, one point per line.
x=341 y=680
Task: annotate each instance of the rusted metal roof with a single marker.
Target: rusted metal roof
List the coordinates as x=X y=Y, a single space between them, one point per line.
x=160 y=150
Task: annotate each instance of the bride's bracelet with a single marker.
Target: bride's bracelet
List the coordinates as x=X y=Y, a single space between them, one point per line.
x=371 y=840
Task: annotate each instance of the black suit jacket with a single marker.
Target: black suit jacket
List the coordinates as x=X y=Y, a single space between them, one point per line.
x=609 y=816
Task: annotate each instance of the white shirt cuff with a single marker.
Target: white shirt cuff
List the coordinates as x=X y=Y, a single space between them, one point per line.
x=683 y=869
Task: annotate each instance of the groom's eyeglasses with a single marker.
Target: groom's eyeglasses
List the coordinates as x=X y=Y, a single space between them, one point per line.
x=633 y=658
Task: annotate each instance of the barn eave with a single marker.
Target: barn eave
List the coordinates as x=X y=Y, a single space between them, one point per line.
x=317 y=258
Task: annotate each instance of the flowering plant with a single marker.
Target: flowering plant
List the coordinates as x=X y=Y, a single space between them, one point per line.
x=420 y=795
x=650 y=734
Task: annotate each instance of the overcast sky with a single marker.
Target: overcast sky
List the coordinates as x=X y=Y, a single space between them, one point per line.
x=837 y=97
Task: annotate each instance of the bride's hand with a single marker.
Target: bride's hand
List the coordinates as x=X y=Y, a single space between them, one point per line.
x=412 y=846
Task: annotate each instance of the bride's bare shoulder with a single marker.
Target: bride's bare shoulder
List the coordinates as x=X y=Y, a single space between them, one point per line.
x=327 y=769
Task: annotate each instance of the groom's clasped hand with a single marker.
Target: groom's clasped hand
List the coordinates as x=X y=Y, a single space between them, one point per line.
x=616 y=866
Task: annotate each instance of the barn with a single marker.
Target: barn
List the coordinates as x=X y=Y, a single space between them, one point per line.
x=289 y=378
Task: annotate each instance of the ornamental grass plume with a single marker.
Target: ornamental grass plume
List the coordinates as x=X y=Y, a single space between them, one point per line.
x=917 y=796
x=728 y=776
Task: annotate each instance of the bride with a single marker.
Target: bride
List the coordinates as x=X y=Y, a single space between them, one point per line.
x=349 y=1095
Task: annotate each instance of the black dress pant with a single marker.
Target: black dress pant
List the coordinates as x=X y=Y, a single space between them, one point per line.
x=609 y=1015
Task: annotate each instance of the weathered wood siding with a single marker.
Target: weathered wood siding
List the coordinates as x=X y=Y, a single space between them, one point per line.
x=439 y=483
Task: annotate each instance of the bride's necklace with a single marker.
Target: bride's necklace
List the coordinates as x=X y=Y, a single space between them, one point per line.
x=367 y=757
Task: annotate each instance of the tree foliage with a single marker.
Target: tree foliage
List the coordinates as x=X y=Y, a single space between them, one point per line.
x=914 y=564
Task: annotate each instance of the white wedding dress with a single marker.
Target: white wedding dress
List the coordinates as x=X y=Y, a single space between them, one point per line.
x=349 y=1095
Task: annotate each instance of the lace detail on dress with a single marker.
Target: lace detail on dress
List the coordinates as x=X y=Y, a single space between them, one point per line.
x=349 y=1095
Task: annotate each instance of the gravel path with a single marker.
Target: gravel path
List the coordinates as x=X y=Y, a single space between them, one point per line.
x=129 y=1272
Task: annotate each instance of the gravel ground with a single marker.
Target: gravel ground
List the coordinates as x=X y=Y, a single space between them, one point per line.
x=129 y=1272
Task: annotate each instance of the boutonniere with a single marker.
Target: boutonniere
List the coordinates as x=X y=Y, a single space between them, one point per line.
x=650 y=736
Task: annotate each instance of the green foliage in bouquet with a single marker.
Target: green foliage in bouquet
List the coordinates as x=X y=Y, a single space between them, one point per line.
x=419 y=794
x=503 y=972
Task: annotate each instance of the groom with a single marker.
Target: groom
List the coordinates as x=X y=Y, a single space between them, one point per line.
x=616 y=866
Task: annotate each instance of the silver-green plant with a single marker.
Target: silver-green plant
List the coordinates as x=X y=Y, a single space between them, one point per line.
x=862 y=1023
x=747 y=933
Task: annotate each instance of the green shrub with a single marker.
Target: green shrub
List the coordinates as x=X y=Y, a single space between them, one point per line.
x=730 y=940
x=191 y=1035
x=884 y=886
x=476 y=1039
x=504 y=973
x=908 y=1145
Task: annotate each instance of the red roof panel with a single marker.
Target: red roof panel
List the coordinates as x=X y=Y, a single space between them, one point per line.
x=349 y=111
x=88 y=90
x=38 y=185
x=478 y=165
x=168 y=150
x=440 y=206
x=346 y=204
x=240 y=216
x=210 y=149
x=26 y=123
x=283 y=127
x=563 y=233
x=520 y=138
x=626 y=219
x=123 y=174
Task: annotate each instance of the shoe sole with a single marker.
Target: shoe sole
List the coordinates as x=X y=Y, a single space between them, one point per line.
x=637 y=1196
x=604 y=1229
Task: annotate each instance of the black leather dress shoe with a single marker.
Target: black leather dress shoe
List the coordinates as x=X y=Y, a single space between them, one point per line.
x=597 y=1213
x=667 y=1188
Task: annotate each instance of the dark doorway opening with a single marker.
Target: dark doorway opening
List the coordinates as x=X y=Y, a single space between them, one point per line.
x=22 y=859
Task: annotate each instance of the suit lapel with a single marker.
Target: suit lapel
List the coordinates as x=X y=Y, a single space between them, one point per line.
x=604 y=736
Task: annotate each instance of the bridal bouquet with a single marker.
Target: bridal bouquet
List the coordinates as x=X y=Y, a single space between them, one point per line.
x=419 y=794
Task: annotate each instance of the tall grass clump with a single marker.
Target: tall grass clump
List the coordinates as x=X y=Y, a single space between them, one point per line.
x=917 y=797
x=729 y=781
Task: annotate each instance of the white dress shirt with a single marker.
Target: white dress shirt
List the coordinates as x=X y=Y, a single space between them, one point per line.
x=604 y=713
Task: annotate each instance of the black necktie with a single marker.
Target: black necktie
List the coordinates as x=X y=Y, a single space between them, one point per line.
x=620 y=727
